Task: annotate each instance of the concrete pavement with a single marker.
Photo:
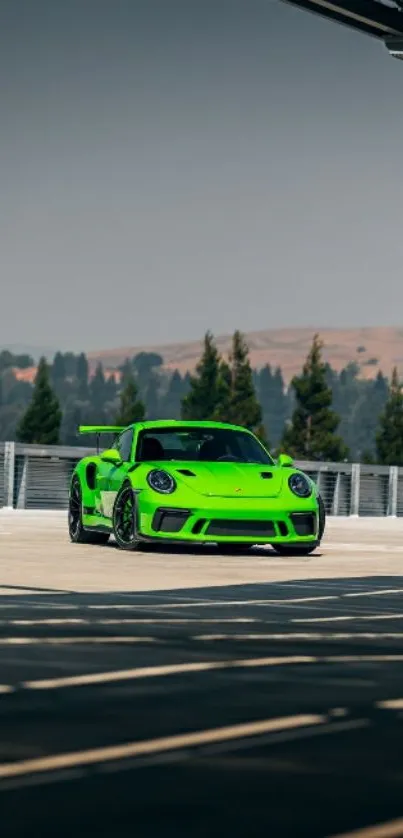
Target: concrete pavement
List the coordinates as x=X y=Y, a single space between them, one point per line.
x=193 y=694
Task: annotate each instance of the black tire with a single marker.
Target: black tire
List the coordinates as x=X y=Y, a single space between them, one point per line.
x=77 y=533
x=322 y=518
x=124 y=519
x=305 y=549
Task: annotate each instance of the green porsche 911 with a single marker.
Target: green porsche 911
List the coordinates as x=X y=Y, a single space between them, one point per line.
x=192 y=482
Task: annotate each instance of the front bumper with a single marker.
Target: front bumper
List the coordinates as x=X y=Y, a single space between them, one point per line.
x=223 y=520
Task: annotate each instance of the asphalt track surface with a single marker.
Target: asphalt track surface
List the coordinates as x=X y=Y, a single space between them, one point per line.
x=134 y=700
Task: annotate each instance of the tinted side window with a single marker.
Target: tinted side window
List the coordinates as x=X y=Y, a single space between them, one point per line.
x=124 y=445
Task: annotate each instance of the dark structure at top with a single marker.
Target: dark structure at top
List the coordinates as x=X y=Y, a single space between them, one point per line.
x=381 y=19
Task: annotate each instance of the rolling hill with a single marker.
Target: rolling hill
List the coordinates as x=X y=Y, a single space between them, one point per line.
x=373 y=348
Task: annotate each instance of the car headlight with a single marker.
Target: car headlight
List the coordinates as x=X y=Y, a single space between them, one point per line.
x=300 y=485
x=161 y=481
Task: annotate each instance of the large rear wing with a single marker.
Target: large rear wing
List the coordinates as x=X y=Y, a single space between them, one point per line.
x=97 y=430
x=101 y=429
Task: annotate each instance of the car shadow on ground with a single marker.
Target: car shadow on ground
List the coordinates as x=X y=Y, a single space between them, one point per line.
x=341 y=586
x=213 y=549
x=257 y=656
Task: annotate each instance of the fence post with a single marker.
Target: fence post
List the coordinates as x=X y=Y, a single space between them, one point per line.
x=22 y=488
x=355 y=490
x=336 y=496
x=392 y=493
x=9 y=474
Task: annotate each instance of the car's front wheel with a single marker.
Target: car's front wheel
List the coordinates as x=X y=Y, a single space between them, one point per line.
x=322 y=518
x=77 y=533
x=124 y=519
x=305 y=549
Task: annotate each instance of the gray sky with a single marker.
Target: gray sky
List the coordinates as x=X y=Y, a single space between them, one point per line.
x=169 y=166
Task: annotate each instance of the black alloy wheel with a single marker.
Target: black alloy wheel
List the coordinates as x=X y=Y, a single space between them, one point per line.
x=77 y=533
x=124 y=519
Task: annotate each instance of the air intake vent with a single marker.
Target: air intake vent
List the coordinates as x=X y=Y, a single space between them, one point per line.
x=186 y=472
x=266 y=475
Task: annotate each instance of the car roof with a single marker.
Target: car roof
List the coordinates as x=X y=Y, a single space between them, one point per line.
x=184 y=423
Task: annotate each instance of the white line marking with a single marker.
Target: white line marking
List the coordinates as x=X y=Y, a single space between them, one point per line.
x=50 y=622
x=211 y=603
x=346 y=618
x=194 y=603
x=392 y=829
x=337 y=712
x=44 y=606
x=59 y=621
x=392 y=704
x=72 y=641
x=382 y=592
x=329 y=658
x=332 y=728
x=160 y=671
x=334 y=635
x=155 y=746
x=93 y=678
x=6 y=688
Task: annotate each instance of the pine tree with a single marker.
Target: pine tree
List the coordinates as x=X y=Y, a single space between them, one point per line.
x=41 y=422
x=222 y=412
x=131 y=408
x=147 y=368
x=171 y=402
x=126 y=369
x=244 y=408
x=82 y=377
x=389 y=439
x=348 y=392
x=205 y=395
x=312 y=432
x=98 y=389
x=58 y=377
x=371 y=402
x=73 y=417
x=272 y=397
x=58 y=370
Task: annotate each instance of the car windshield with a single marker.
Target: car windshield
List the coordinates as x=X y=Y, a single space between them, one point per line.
x=201 y=445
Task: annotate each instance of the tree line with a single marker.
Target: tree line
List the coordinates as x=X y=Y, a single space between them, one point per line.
x=321 y=415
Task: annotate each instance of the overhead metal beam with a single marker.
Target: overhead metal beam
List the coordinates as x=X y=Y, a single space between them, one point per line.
x=371 y=17
x=395 y=47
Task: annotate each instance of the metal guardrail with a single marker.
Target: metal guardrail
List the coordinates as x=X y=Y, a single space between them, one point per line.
x=2 y=471
x=38 y=477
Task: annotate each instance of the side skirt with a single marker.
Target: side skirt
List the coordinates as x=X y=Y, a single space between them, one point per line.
x=96 y=523
x=98 y=528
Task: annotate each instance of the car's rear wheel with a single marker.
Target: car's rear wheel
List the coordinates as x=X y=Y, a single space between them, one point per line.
x=124 y=519
x=77 y=533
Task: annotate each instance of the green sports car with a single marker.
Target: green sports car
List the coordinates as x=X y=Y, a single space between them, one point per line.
x=192 y=482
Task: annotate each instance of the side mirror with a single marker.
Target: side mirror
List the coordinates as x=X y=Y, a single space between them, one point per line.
x=285 y=461
x=111 y=456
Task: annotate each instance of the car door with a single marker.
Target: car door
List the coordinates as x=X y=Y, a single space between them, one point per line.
x=111 y=476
